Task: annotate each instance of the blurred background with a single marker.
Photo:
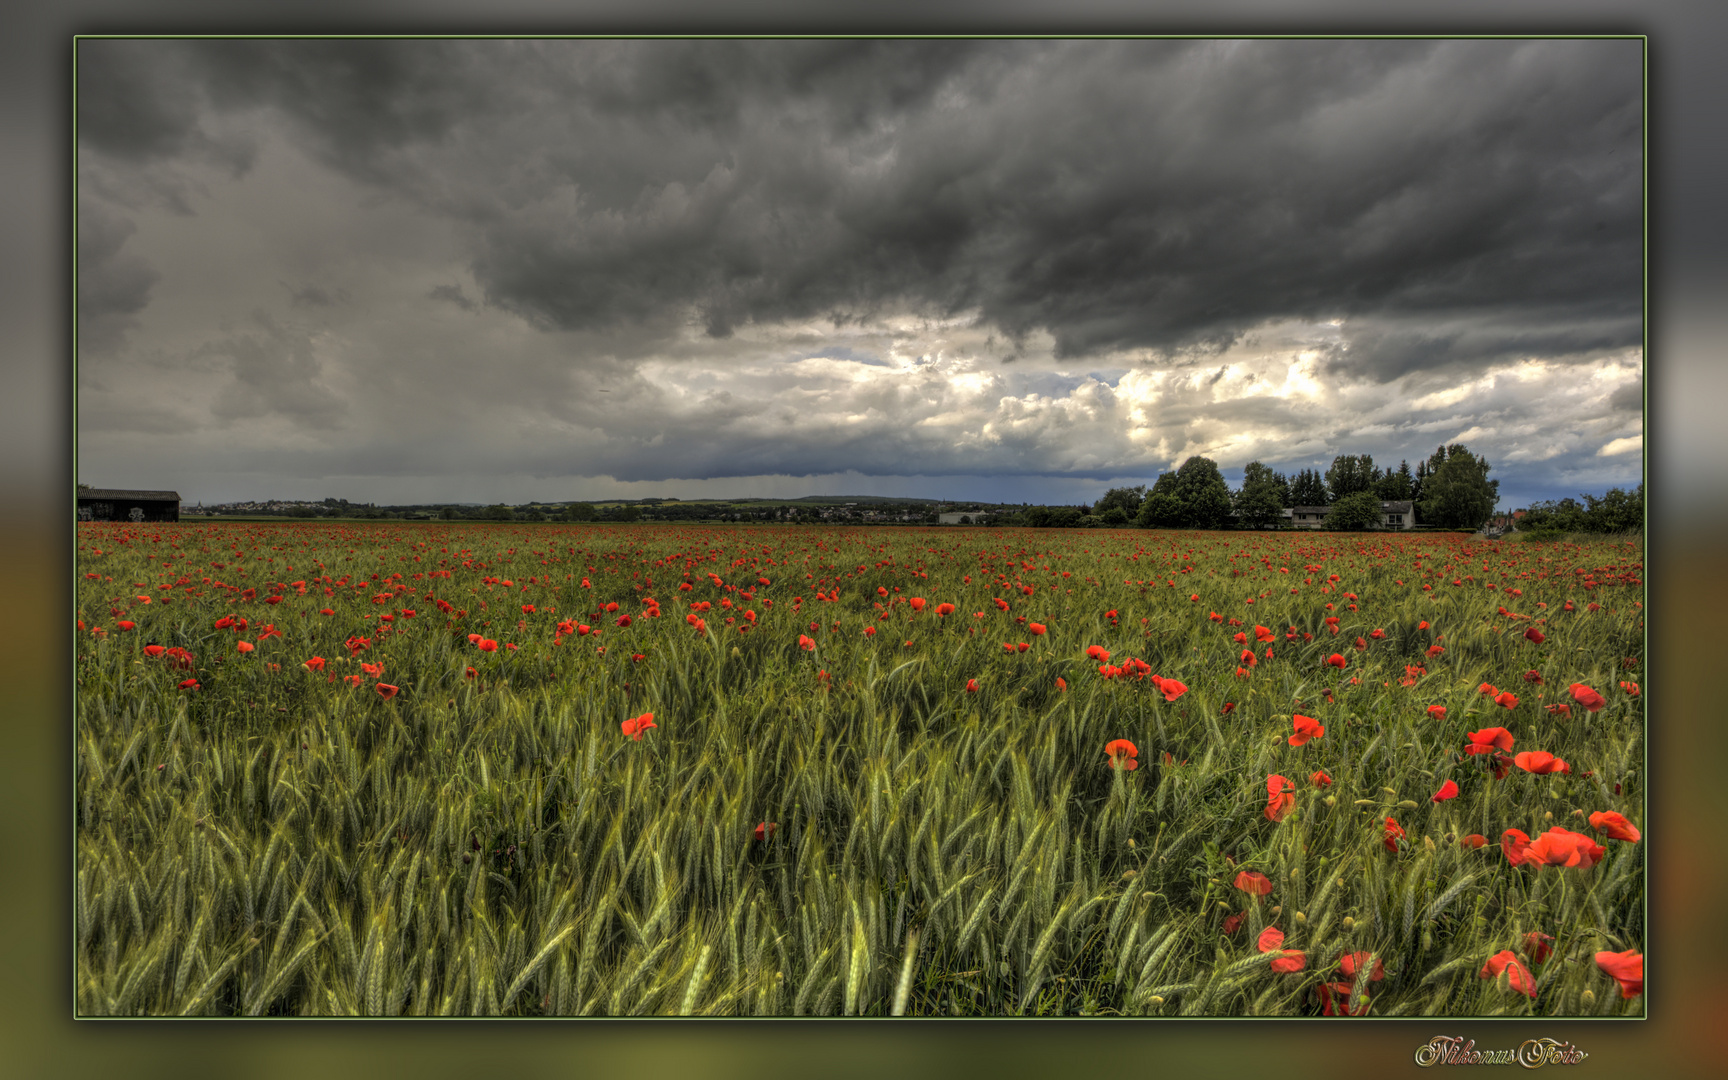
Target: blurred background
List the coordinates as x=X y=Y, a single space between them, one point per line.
x=1685 y=380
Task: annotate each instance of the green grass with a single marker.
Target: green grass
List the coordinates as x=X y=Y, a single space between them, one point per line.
x=278 y=842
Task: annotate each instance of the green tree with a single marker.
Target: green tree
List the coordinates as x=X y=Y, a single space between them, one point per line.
x=1114 y=516
x=1308 y=489
x=1396 y=485
x=1457 y=493
x=500 y=512
x=1036 y=517
x=1127 y=499
x=1262 y=495
x=448 y=513
x=1555 y=517
x=1204 y=495
x=1349 y=474
x=580 y=512
x=1358 y=510
x=1159 y=510
x=625 y=512
x=1617 y=511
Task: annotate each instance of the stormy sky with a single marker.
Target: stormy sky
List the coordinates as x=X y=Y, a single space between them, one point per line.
x=403 y=271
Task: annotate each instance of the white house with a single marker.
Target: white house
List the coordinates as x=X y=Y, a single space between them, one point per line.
x=1394 y=514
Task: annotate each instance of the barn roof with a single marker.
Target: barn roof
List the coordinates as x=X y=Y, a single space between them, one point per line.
x=121 y=494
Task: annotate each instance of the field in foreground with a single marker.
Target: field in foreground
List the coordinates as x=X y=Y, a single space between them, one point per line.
x=556 y=770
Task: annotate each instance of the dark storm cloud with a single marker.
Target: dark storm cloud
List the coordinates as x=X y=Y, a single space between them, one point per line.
x=113 y=285
x=275 y=373
x=1165 y=196
x=451 y=294
x=314 y=296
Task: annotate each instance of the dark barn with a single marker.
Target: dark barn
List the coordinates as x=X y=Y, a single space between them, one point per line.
x=109 y=504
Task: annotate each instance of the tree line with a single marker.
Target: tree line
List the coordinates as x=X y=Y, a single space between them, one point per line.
x=1450 y=489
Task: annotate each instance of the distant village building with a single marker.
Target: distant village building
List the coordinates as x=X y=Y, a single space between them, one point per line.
x=970 y=517
x=1308 y=517
x=114 y=504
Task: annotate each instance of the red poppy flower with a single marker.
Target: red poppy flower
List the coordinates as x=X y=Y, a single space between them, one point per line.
x=1506 y=699
x=470 y=674
x=1036 y=629
x=917 y=603
x=1534 y=635
x=527 y=609
x=1614 y=826
x=1271 y=940
x=1516 y=845
x=1505 y=960
x=1290 y=960
x=1533 y=676
x=1438 y=712
x=1538 y=946
x=1172 y=689
x=1098 y=653
x=1335 y=1000
x=386 y=691
x=1488 y=740
x=1474 y=840
x=1336 y=661
x=637 y=725
x=1435 y=650
x=1280 y=798
x=1061 y=684
x=1394 y=833
x=766 y=829
x=1448 y=790
x=154 y=651
x=1229 y=707
x=1248 y=657
x=1625 y=968
x=1306 y=728
x=1351 y=963
x=189 y=684
x=244 y=646
x=1539 y=761
x=1631 y=688
x=1320 y=779
x=126 y=624
x=487 y=645
x=1232 y=923
x=806 y=643
x=1195 y=598
x=1361 y=644
x=1587 y=697
x=1559 y=847
x=1377 y=633
x=352 y=680
x=971 y=686
x=1122 y=754
x=944 y=609
x=373 y=670
x=1254 y=882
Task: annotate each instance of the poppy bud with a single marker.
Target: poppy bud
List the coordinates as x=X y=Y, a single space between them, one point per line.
x=1408 y=804
x=1331 y=800
x=1156 y=1000
x=1588 y=997
x=1548 y=815
x=1349 y=923
x=1131 y=839
x=1300 y=918
x=467 y=857
x=1278 y=910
